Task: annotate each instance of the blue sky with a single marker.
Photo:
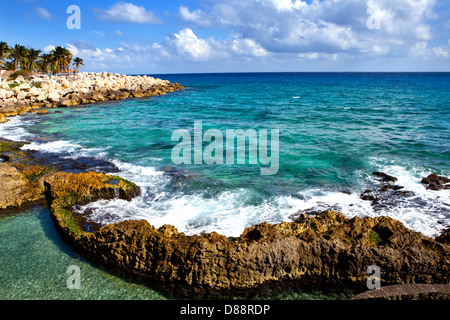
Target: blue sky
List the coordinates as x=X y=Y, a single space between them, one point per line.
x=178 y=36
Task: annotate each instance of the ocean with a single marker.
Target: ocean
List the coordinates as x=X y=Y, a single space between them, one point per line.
x=334 y=131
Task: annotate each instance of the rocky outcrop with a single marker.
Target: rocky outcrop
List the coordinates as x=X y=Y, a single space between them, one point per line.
x=436 y=182
x=44 y=91
x=15 y=189
x=312 y=251
x=23 y=180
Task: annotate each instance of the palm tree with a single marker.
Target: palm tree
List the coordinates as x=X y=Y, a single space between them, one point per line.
x=78 y=62
x=62 y=59
x=18 y=54
x=4 y=49
x=32 y=58
x=46 y=63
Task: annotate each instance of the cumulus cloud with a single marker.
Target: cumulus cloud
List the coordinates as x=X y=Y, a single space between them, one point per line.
x=271 y=33
x=189 y=45
x=128 y=12
x=420 y=49
x=328 y=26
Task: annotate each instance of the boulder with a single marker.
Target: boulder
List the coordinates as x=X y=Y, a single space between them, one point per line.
x=34 y=92
x=2 y=94
x=436 y=182
x=53 y=97
x=384 y=177
x=25 y=87
x=42 y=96
x=16 y=189
x=16 y=90
x=21 y=95
x=65 y=84
x=3 y=118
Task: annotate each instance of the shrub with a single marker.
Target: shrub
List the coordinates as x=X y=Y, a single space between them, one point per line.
x=36 y=84
x=23 y=73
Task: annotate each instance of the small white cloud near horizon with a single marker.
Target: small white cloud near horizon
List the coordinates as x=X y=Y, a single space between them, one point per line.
x=128 y=12
x=43 y=13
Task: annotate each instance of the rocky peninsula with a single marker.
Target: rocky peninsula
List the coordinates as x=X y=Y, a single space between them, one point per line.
x=321 y=250
x=39 y=92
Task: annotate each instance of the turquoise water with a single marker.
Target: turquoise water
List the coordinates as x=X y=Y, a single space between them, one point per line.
x=334 y=131
x=34 y=265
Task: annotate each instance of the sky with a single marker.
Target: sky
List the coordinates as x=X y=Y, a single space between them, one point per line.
x=192 y=36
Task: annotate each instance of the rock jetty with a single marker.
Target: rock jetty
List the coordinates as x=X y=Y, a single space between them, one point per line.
x=29 y=94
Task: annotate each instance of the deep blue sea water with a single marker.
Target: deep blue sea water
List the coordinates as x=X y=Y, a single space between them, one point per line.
x=335 y=129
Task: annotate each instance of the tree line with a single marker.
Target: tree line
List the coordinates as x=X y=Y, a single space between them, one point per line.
x=57 y=61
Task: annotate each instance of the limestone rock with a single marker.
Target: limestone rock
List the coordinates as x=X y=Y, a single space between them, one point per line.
x=25 y=87
x=15 y=188
x=327 y=248
x=53 y=97
x=3 y=118
x=21 y=95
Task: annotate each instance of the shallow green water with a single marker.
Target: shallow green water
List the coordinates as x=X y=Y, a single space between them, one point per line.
x=34 y=262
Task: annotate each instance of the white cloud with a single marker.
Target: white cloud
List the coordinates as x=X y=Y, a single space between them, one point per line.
x=286 y=34
x=197 y=16
x=48 y=49
x=420 y=49
x=328 y=26
x=43 y=13
x=187 y=44
x=247 y=47
x=128 y=12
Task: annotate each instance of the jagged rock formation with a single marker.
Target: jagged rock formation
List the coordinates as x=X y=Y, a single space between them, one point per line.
x=326 y=249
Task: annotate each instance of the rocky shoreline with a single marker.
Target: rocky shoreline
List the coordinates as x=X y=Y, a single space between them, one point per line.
x=40 y=92
x=319 y=250
x=325 y=250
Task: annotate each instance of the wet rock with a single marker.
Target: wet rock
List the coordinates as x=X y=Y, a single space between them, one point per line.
x=384 y=177
x=436 y=182
x=3 y=118
x=444 y=237
x=312 y=251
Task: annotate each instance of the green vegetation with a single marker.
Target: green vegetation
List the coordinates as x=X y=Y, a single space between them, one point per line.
x=375 y=239
x=78 y=62
x=13 y=85
x=10 y=146
x=31 y=60
x=36 y=84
